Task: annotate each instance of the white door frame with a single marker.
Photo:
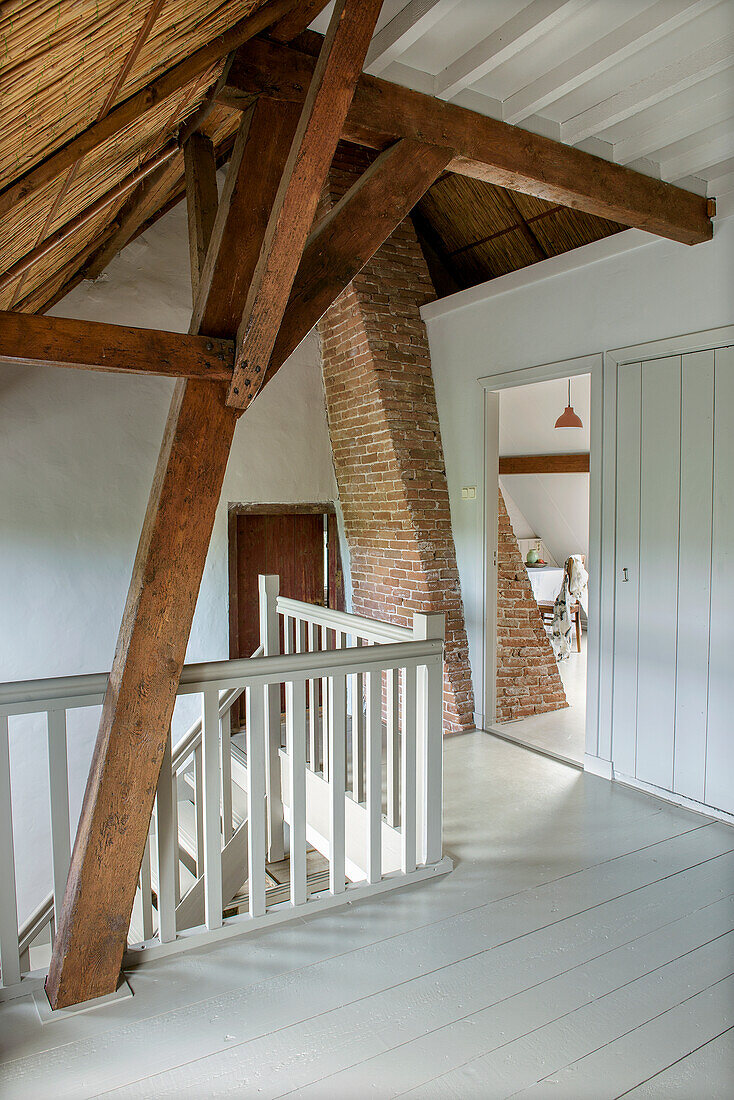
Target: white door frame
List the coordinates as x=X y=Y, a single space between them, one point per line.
x=491 y=384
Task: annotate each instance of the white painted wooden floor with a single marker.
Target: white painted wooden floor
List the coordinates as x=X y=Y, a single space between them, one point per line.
x=582 y=948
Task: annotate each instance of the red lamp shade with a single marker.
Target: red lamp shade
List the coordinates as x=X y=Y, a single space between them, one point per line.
x=568 y=418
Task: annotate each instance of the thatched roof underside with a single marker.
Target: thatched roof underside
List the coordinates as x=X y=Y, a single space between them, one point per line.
x=65 y=63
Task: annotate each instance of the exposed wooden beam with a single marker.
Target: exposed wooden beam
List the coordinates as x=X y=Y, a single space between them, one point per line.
x=525 y=27
x=131 y=109
x=202 y=199
x=325 y=107
x=63 y=342
x=545 y=464
x=138 y=706
x=351 y=233
x=291 y=25
x=405 y=28
x=262 y=146
x=651 y=89
x=641 y=30
x=381 y=113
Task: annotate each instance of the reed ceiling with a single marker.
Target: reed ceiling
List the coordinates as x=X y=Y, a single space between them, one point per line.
x=66 y=63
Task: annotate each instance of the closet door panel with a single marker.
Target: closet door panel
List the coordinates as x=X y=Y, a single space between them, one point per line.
x=658 y=601
x=627 y=553
x=720 y=738
x=694 y=573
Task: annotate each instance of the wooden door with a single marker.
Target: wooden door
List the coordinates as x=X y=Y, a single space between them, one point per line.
x=674 y=551
x=286 y=544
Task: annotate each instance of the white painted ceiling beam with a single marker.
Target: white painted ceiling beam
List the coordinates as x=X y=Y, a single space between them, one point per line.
x=536 y=19
x=405 y=28
x=709 y=147
x=660 y=85
x=678 y=125
x=640 y=31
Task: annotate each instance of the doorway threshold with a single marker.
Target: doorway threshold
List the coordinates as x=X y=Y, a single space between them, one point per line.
x=504 y=735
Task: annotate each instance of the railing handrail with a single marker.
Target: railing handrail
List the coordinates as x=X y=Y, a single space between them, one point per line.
x=345 y=623
x=34 y=696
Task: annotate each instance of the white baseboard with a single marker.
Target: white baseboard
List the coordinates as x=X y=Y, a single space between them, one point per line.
x=596 y=765
x=676 y=799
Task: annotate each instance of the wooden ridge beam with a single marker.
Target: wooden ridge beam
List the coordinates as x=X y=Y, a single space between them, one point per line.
x=91 y=345
x=545 y=464
x=330 y=90
x=382 y=113
x=351 y=233
x=131 y=109
x=138 y=707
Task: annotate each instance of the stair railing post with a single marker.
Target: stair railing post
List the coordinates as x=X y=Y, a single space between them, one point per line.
x=269 y=588
x=429 y=744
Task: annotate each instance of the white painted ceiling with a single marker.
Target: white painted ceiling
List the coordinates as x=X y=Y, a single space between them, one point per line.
x=644 y=83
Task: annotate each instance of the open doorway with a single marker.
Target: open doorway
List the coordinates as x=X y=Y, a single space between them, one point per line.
x=537 y=509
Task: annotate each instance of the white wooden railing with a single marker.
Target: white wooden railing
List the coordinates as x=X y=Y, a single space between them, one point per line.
x=360 y=732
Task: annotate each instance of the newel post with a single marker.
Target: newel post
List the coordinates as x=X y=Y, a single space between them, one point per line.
x=429 y=744
x=269 y=588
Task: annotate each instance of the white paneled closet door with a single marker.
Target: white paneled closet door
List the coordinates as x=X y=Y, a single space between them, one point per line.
x=674 y=596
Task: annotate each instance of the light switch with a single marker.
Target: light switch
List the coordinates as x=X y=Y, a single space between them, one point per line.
x=469 y=492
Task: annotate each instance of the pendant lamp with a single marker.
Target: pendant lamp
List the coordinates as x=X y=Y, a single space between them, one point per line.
x=568 y=418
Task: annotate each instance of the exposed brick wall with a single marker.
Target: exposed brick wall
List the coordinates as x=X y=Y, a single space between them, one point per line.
x=528 y=681
x=387 y=449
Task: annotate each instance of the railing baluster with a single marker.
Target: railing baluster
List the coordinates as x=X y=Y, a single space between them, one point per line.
x=322 y=728
x=166 y=849
x=408 y=771
x=146 y=893
x=256 y=750
x=199 y=809
x=374 y=776
x=313 y=702
x=225 y=765
x=177 y=846
x=9 y=958
x=429 y=733
x=210 y=816
x=392 y=712
x=358 y=737
x=58 y=786
x=434 y=764
x=268 y=588
x=295 y=716
x=337 y=780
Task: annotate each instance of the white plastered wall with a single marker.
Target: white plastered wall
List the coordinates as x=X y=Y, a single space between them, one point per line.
x=625 y=290
x=77 y=454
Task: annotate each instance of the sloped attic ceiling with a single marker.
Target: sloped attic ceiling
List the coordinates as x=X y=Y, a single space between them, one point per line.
x=67 y=63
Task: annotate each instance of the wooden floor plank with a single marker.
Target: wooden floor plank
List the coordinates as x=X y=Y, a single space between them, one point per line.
x=611 y=1070
x=569 y=888
x=388 y=1028
x=517 y=1066
x=713 y=1062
